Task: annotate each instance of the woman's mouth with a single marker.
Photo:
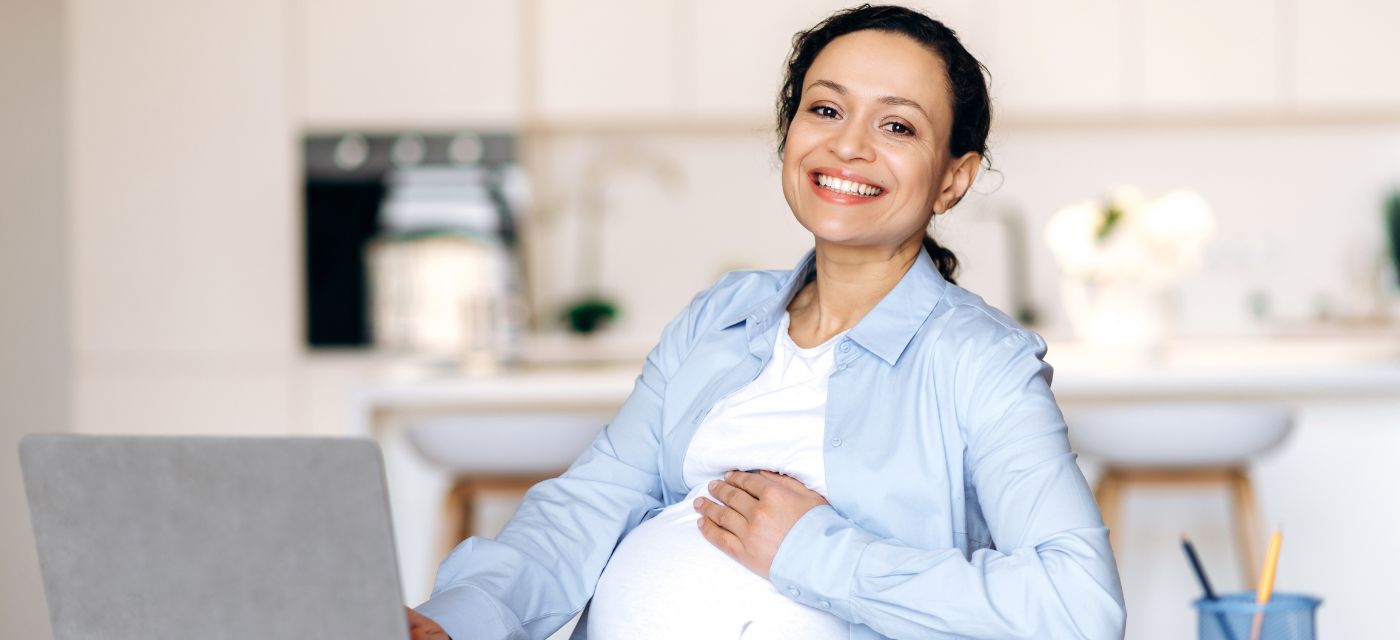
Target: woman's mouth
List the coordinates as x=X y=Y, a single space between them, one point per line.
x=843 y=190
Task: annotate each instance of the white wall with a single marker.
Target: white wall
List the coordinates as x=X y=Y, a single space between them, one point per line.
x=34 y=319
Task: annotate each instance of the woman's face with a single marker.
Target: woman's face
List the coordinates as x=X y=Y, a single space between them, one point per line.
x=866 y=162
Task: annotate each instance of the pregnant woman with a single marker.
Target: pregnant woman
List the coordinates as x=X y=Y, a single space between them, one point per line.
x=856 y=448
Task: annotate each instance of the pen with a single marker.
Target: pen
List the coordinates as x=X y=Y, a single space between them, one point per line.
x=1205 y=584
x=1266 y=584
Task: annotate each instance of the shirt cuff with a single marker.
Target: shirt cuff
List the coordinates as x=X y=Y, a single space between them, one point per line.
x=816 y=562
x=467 y=611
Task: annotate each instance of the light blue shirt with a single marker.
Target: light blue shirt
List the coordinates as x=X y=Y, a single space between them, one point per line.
x=956 y=507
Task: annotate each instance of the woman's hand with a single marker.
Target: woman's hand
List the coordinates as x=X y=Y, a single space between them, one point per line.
x=421 y=627
x=758 y=511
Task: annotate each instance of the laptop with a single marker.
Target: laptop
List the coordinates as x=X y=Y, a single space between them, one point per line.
x=213 y=537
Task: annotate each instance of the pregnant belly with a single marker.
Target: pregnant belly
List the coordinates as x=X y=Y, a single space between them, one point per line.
x=665 y=580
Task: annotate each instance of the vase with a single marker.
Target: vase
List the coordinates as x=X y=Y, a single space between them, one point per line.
x=1126 y=320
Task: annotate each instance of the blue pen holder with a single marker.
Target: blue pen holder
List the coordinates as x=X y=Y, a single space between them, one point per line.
x=1288 y=616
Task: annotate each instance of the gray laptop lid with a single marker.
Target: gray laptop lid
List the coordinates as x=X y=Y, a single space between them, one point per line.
x=201 y=537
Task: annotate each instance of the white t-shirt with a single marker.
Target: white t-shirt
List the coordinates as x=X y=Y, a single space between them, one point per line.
x=665 y=580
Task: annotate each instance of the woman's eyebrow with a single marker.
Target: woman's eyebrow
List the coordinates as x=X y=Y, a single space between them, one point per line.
x=894 y=101
x=897 y=101
x=838 y=88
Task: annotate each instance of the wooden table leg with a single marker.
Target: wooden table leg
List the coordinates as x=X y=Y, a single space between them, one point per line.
x=1108 y=493
x=1246 y=526
x=459 y=516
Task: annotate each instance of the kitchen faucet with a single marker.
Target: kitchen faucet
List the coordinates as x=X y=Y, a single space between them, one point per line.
x=1013 y=223
x=626 y=155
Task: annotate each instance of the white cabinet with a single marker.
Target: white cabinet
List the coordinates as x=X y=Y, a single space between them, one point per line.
x=410 y=63
x=1347 y=55
x=427 y=63
x=738 y=64
x=1056 y=58
x=612 y=59
x=1200 y=56
x=181 y=175
x=181 y=218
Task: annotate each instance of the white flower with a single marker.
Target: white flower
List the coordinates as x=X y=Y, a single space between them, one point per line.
x=1127 y=239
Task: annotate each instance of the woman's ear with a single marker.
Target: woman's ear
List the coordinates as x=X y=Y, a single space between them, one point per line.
x=957 y=181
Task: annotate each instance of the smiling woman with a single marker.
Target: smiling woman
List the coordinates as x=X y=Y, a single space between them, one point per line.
x=856 y=448
x=954 y=89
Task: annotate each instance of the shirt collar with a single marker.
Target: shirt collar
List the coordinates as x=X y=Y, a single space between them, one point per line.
x=886 y=330
x=770 y=310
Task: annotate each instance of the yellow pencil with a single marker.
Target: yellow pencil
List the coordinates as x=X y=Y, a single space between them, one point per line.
x=1266 y=584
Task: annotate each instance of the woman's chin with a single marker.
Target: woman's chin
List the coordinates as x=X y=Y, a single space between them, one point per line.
x=834 y=230
x=846 y=231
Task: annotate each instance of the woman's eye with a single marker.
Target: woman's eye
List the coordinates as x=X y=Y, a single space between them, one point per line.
x=823 y=111
x=899 y=128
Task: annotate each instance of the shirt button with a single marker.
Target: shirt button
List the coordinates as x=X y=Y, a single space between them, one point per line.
x=845 y=346
x=836 y=442
x=826 y=604
x=794 y=591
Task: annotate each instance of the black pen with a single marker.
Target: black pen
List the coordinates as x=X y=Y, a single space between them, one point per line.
x=1205 y=584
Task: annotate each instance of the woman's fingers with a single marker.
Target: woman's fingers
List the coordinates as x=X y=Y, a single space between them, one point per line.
x=753 y=483
x=736 y=498
x=721 y=515
x=763 y=506
x=792 y=483
x=421 y=627
x=721 y=538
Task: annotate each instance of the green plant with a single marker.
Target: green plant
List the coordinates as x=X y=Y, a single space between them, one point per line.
x=1112 y=215
x=589 y=314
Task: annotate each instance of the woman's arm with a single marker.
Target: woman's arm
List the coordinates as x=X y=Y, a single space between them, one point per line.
x=543 y=567
x=1052 y=574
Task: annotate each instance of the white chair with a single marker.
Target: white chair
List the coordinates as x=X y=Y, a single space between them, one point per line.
x=502 y=452
x=1182 y=443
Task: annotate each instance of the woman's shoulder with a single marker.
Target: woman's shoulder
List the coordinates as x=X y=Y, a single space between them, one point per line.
x=964 y=319
x=737 y=293
x=724 y=303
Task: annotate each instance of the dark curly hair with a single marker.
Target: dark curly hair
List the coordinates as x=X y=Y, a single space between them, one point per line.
x=971 y=102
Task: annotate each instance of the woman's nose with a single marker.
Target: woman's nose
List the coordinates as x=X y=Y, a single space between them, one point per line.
x=852 y=143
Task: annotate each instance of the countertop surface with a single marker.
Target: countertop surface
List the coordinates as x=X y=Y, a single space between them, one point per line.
x=1263 y=368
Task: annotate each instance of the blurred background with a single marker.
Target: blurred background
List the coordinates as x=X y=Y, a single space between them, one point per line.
x=458 y=225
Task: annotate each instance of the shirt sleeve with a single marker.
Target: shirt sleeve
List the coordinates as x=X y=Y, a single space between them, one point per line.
x=1052 y=574
x=543 y=567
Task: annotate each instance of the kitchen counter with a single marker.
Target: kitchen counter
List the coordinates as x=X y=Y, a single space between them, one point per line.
x=1275 y=369
x=1280 y=369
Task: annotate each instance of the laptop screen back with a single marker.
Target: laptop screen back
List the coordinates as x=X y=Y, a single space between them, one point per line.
x=204 y=537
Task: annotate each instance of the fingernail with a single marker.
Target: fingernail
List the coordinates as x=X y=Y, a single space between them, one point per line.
x=698 y=502
x=714 y=483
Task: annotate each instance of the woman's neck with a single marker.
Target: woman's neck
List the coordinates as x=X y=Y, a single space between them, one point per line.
x=850 y=282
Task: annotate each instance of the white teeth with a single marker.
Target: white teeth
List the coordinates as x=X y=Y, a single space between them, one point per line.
x=846 y=186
